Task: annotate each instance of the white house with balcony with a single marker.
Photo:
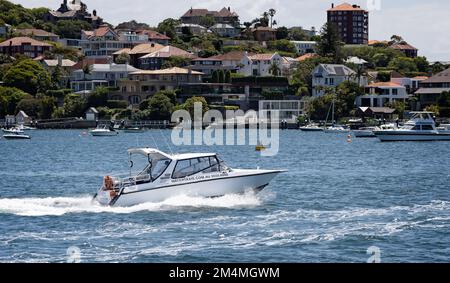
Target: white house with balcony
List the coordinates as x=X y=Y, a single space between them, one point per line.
x=305 y=47
x=379 y=94
x=107 y=75
x=330 y=76
x=104 y=41
x=261 y=65
x=288 y=110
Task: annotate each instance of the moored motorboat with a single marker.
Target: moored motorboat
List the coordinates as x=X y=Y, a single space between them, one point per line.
x=366 y=132
x=336 y=130
x=16 y=136
x=103 y=132
x=421 y=127
x=12 y=131
x=134 y=130
x=311 y=128
x=165 y=176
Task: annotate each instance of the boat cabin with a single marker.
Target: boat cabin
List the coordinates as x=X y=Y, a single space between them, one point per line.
x=159 y=166
x=421 y=121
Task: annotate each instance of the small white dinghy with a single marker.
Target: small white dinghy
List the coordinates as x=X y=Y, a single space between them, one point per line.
x=16 y=136
x=192 y=174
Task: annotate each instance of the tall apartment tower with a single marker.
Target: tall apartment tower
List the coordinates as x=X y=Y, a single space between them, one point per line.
x=351 y=21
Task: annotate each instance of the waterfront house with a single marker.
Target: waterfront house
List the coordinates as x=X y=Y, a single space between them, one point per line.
x=65 y=67
x=225 y=30
x=264 y=34
x=305 y=47
x=22 y=118
x=92 y=114
x=73 y=10
x=411 y=84
x=263 y=65
x=104 y=41
x=409 y=50
x=381 y=113
x=288 y=110
x=4 y=30
x=331 y=75
x=154 y=36
x=107 y=75
x=138 y=51
x=37 y=34
x=236 y=61
x=431 y=88
x=155 y=60
x=197 y=16
x=143 y=84
x=351 y=21
x=24 y=46
x=381 y=93
x=208 y=66
x=193 y=28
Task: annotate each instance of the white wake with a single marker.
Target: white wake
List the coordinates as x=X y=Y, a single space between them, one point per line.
x=63 y=205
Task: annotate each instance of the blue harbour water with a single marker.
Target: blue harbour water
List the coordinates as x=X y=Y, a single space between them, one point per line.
x=337 y=200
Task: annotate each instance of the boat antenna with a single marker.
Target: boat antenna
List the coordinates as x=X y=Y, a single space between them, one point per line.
x=164 y=139
x=156 y=145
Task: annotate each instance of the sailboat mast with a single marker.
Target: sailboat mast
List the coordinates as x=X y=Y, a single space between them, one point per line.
x=333 y=112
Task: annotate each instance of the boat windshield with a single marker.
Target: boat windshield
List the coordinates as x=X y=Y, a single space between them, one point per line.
x=156 y=168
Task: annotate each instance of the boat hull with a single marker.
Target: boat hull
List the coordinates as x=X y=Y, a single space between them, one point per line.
x=16 y=137
x=104 y=134
x=233 y=183
x=364 y=134
x=393 y=136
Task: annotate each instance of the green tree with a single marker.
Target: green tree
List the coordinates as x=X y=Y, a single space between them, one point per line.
x=189 y=105
x=10 y=97
x=215 y=76
x=330 y=43
x=168 y=26
x=298 y=34
x=282 y=45
x=99 y=97
x=48 y=106
x=282 y=33
x=71 y=28
x=207 y=21
x=399 y=106
x=272 y=13
x=123 y=58
x=29 y=76
x=221 y=76
x=403 y=65
x=159 y=107
x=422 y=64
x=274 y=70
x=228 y=77
x=31 y=106
x=176 y=61
x=74 y=106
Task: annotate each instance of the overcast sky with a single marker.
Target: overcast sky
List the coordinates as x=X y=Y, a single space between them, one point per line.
x=424 y=24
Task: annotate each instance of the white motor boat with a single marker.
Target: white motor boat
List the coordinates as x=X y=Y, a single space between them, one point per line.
x=134 y=130
x=421 y=127
x=444 y=128
x=165 y=176
x=366 y=132
x=25 y=128
x=104 y=132
x=12 y=131
x=16 y=136
x=336 y=130
x=311 y=128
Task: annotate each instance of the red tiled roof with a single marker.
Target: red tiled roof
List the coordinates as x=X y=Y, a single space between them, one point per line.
x=89 y=61
x=168 y=51
x=262 y=57
x=231 y=56
x=373 y=42
x=35 y=32
x=205 y=12
x=384 y=84
x=153 y=34
x=306 y=56
x=18 y=41
x=346 y=7
x=403 y=46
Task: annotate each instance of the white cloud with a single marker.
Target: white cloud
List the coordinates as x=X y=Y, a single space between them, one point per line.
x=422 y=23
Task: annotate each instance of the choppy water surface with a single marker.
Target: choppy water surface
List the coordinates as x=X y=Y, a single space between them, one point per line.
x=337 y=200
